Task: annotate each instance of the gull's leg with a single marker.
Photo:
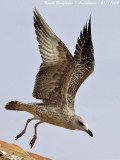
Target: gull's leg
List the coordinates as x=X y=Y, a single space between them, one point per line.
x=24 y=130
x=35 y=135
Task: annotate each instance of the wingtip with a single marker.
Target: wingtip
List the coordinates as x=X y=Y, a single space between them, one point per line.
x=34 y=10
x=36 y=13
x=85 y=26
x=89 y=25
x=90 y=19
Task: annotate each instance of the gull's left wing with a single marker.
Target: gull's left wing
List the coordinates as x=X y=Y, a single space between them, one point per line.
x=57 y=68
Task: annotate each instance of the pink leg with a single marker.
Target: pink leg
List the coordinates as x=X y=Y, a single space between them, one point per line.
x=24 y=130
x=35 y=135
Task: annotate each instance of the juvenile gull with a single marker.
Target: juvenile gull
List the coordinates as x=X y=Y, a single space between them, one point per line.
x=59 y=77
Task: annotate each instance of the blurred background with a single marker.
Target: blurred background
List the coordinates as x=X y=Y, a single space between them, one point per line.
x=98 y=99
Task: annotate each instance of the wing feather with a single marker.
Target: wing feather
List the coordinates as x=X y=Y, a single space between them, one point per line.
x=58 y=65
x=84 y=58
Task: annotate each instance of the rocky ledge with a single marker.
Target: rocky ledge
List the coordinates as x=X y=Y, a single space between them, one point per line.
x=13 y=152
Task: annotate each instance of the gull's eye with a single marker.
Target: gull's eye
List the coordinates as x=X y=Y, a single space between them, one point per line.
x=81 y=123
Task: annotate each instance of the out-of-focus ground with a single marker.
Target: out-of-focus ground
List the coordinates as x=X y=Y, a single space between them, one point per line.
x=13 y=152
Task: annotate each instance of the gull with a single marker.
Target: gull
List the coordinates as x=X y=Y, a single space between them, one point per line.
x=58 y=80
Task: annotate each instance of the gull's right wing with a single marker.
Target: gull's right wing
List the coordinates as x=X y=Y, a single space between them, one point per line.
x=84 y=58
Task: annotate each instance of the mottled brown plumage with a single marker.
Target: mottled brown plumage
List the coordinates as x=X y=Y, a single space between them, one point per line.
x=59 y=77
x=57 y=67
x=84 y=58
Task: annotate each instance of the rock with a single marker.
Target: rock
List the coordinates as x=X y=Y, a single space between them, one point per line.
x=13 y=152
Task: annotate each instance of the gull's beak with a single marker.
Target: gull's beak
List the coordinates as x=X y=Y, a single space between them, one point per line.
x=89 y=132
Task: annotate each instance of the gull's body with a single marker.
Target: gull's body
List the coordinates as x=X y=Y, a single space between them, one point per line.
x=58 y=79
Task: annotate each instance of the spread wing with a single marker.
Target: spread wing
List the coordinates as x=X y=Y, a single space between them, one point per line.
x=84 y=58
x=58 y=65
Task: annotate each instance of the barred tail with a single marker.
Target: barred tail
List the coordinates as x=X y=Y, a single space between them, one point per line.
x=18 y=106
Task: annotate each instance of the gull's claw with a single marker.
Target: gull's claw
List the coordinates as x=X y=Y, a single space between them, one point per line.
x=32 y=142
x=19 y=135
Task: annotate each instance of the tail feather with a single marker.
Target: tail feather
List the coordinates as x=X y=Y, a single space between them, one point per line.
x=15 y=105
x=18 y=106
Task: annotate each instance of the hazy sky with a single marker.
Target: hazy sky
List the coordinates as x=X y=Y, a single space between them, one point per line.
x=98 y=99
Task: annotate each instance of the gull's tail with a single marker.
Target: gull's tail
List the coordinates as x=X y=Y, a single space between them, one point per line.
x=18 y=106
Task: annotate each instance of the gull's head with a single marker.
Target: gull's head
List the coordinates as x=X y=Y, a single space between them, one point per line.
x=80 y=124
